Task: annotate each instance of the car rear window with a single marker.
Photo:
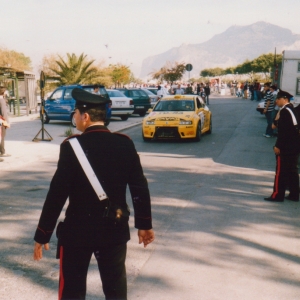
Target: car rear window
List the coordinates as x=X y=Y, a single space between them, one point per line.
x=148 y=92
x=153 y=91
x=102 y=91
x=115 y=94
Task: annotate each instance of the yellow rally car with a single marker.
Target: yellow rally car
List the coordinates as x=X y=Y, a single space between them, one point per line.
x=178 y=117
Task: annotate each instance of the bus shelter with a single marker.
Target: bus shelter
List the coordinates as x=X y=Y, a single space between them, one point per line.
x=10 y=78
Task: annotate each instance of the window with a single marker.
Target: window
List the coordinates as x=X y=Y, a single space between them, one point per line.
x=115 y=94
x=68 y=94
x=135 y=93
x=298 y=87
x=298 y=66
x=57 y=94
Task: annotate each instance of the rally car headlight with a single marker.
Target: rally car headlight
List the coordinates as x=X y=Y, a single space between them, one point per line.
x=150 y=122
x=183 y=122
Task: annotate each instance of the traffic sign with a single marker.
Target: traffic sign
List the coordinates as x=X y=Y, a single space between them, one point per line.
x=189 y=67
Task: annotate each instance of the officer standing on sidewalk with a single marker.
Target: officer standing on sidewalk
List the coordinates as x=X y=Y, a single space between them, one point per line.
x=286 y=150
x=92 y=226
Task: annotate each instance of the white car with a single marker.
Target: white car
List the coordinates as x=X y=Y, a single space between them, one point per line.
x=121 y=106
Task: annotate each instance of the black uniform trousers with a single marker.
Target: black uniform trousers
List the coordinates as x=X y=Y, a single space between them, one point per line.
x=74 y=263
x=286 y=177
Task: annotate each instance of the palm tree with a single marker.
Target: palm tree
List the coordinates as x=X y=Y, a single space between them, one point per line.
x=75 y=70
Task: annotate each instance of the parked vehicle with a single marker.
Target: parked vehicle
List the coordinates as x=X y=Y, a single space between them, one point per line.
x=60 y=105
x=121 y=106
x=141 y=100
x=152 y=96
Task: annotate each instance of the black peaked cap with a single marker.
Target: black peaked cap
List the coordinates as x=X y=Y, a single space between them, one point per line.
x=87 y=99
x=283 y=94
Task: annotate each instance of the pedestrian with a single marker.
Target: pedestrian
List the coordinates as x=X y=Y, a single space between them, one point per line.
x=92 y=226
x=256 y=90
x=286 y=150
x=251 y=91
x=202 y=94
x=274 y=91
x=268 y=109
x=245 y=90
x=179 y=90
x=159 y=92
x=189 y=90
x=4 y=123
x=207 y=92
x=198 y=88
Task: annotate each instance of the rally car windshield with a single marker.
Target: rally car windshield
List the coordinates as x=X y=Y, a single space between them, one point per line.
x=178 y=105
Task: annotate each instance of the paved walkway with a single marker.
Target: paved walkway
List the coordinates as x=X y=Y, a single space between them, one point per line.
x=23 y=129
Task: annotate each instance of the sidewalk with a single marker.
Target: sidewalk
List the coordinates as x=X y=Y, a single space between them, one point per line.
x=23 y=150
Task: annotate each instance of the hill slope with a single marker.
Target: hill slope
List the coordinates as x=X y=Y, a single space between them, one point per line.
x=229 y=48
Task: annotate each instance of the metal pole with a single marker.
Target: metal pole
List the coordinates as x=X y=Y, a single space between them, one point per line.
x=17 y=95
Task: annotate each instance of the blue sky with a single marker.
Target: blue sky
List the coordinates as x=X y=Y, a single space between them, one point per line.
x=132 y=29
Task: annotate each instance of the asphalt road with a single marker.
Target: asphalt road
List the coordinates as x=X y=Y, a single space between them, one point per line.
x=215 y=236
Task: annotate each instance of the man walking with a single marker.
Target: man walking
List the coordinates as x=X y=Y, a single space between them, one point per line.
x=286 y=150
x=92 y=226
x=268 y=110
x=4 y=123
x=207 y=93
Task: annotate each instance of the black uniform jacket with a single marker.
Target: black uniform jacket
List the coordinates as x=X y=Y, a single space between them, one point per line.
x=116 y=164
x=288 y=136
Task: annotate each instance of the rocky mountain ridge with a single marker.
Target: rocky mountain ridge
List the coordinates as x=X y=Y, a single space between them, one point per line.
x=232 y=47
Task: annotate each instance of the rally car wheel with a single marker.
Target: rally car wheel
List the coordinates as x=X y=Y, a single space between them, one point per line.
x=198 y=134
x=210 y=127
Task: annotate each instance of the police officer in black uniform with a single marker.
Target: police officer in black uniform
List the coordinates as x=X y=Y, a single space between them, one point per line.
x=92 y=226
x=286 y=150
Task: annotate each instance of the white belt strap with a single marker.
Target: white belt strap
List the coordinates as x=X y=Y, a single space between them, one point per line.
x=89 y=172
x=293 y=116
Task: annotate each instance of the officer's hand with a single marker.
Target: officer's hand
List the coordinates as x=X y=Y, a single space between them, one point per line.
x=38 y=250
x=146 y=236
x=276 y=151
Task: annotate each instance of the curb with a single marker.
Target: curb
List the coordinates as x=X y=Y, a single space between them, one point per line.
x=128 y=126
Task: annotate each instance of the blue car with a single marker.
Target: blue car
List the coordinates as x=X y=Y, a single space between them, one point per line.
x=60 y=105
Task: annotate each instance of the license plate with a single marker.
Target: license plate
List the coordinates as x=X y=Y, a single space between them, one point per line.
x=120 y=102
x=140 y=107
x=153 y=100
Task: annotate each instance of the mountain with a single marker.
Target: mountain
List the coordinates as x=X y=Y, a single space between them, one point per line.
x=226 y=49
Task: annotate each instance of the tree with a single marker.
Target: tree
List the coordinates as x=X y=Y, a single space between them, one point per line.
x=265 y=62
x=170 y=72
x=135 y=80
x=75 y=70
x=261 y=64
x=212 y=72
x=14 y=60
x=120 y=74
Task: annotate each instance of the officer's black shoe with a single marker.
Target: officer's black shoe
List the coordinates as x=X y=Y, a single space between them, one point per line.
x=273 y=199
x=292 y=199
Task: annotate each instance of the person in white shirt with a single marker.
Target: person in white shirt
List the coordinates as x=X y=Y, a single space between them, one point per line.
x=179 y=90
x=159 y=92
